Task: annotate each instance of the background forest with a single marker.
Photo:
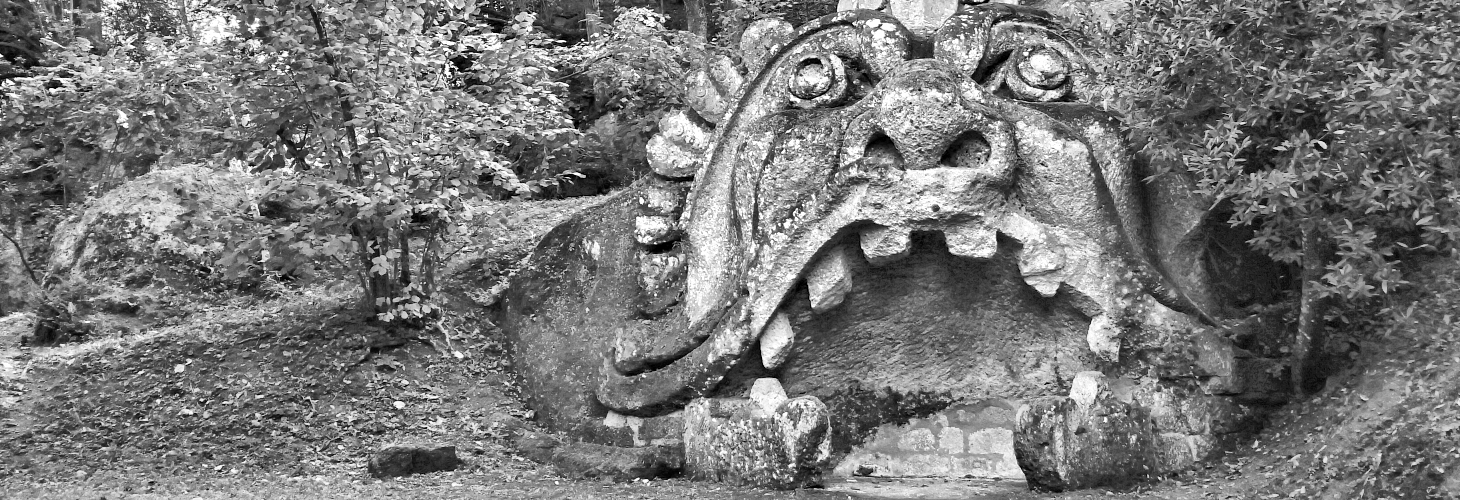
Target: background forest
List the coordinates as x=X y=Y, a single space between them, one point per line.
x=161 y=159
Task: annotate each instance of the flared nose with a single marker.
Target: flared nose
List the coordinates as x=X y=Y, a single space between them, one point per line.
x=926 y=119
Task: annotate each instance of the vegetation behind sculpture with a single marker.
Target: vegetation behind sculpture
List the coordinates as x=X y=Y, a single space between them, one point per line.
x=1338 y=118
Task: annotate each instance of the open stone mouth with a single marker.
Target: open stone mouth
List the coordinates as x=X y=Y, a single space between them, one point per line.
x=885 y=192
x=871 y=250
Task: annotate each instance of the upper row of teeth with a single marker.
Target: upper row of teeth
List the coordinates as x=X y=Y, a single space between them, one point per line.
x=829 y=278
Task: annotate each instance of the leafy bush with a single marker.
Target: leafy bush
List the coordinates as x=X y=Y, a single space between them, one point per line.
x=372 y=122
x=1337 y=118
x=636 y=69
x=20 y=38
x=380 y=136
x=92 y=121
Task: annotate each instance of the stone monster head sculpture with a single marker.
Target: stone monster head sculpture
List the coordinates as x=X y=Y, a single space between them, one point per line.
x=861 y=130
x=919 y=203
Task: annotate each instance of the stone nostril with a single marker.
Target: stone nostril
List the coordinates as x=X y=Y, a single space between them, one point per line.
x=969 y=150
x=881 y=152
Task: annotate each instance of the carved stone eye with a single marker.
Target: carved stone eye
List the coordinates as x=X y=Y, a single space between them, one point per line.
x=819 y=80
x=1044 y=68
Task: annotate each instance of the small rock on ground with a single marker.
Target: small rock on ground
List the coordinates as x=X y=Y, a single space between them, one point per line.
x=404 y=460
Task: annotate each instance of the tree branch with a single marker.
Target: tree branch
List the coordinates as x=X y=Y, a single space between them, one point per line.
x=23 y=261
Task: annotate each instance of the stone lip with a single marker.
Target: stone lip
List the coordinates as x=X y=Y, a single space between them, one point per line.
x=596 y=461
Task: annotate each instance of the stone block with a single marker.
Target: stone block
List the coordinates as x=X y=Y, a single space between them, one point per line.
x=788 y=449
x=1215 y=355
x=1063 y=446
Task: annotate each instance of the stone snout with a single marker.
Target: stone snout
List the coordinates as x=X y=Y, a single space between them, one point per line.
x=926 y=118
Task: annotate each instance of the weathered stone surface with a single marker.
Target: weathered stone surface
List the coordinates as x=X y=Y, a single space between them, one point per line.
x=664 y=198
x=972 y=241
x=767 y=394
x=830 y=279
x=775 y=344
x=1062 y=445
x=679 y=149
x=761 y=40
x=787 y=449
x=885 y=245
x=132 y=231
x=1089 y=387
x=652 y=230
x=661 y=281
x=923 y=17
x=596 y=461
x=897 y=238
x=405 y=460
x=711 y=93
x=1215 y=356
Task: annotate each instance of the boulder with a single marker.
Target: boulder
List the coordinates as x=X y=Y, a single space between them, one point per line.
x=739 y=441
x=405 y=460
x=1063 y=445
x=157 y=227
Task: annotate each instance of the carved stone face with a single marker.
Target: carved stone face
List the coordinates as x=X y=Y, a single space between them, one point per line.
x=922 y=213
x=858 y=137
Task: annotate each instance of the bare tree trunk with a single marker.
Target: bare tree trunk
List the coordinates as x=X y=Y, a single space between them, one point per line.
x=1310 y=312
x=697 y=18
x=184 y=20
x=87 y=18
x=594 y=10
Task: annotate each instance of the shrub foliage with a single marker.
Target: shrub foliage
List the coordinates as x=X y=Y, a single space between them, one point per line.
x=1332 y=117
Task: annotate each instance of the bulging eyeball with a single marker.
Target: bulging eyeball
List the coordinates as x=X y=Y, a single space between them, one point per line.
x=1044 y=68
x=819 y=80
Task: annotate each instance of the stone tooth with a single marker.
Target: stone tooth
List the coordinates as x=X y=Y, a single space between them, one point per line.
x=1089 y=387
x=974 y=241
x=830 y=279
x=767 y=394
x=1040 y=256
x=884 y=245
x=776 y=341
x=1104 y=338
x=1039 y=262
